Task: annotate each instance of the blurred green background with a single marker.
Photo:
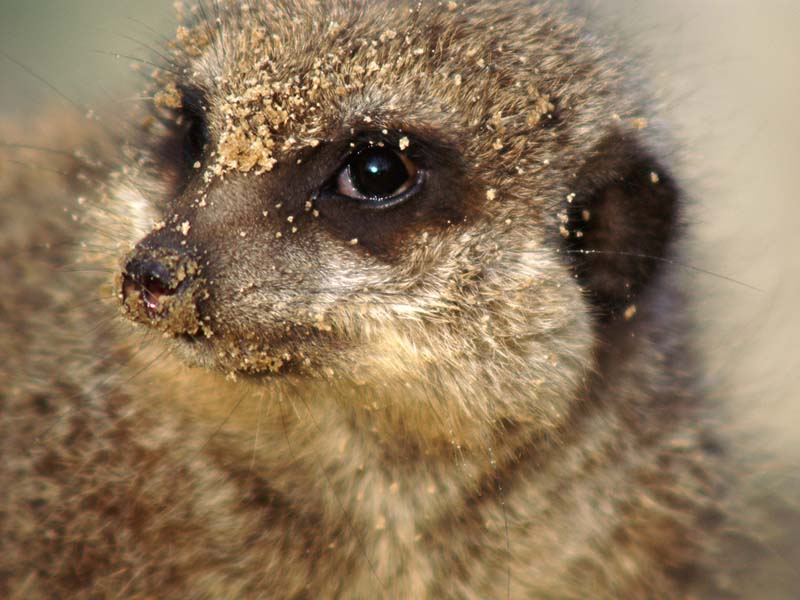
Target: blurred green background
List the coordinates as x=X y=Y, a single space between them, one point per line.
x=71 y=44
x=728 y=72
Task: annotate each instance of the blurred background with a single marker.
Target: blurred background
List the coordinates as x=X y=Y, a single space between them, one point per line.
x=728 y=73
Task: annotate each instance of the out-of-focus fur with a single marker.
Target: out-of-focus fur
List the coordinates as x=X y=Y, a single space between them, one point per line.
x=500 y=400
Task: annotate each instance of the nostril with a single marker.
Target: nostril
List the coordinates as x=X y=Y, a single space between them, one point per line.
x=153 y=289
x=161 y=288
x=151 y=280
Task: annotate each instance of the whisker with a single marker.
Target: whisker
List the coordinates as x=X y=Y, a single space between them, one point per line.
x=502 y=499
x=82 y=110
x=135 y=59
x=167 y=60
x=37 y=167
x=71 y=410
x=164 y=39
x=221 y=426
x=258 y=432
x=201 y=6
x=102 y=323
x=17 y=146
x=44 y=81
x=85 y=270
x=669 y=261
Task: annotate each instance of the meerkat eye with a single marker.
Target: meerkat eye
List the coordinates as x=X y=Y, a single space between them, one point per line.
x=378 y=176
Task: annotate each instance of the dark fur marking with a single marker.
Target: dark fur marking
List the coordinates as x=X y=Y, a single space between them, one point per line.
x=620 y=223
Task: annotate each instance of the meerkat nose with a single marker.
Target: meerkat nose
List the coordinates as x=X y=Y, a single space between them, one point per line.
x=163 y=287
x=152 y=280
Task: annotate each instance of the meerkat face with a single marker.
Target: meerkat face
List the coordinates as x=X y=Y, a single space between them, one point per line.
x=392 y=193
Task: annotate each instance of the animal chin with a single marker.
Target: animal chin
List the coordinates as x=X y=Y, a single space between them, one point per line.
x=272 y=356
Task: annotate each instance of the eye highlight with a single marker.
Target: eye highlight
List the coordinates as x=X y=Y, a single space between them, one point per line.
x=378 y=177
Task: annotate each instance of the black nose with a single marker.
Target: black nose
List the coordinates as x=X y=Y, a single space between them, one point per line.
x=152 y=280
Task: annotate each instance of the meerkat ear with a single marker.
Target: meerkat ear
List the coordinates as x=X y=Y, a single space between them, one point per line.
x=619 y=223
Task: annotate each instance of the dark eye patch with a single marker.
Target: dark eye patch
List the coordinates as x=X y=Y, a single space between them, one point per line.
x=400 y=185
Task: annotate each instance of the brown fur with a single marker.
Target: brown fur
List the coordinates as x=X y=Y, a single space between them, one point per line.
x=484 y=392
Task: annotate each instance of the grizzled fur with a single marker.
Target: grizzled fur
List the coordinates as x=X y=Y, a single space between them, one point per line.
x=485 y=391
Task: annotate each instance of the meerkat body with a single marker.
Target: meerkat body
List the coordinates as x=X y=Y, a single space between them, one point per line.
x=402 y=324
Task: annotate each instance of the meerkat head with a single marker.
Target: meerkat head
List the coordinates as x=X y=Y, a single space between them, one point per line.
x=444 y=201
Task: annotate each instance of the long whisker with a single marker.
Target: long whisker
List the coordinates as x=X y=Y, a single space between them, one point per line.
x=221 y=426
x=59 y=419
x=167 y=60
x=501 y=497
x=37 y=167
x=16 y=146
x=164 y=39
x=669 y=261
x=258 y=431
x=135 y=59
x=43 y=81
x=82 y=110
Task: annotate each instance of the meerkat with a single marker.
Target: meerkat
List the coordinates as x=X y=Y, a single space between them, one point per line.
x=373 y=300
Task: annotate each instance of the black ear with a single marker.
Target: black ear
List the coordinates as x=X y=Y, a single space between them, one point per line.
x=618 y=226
